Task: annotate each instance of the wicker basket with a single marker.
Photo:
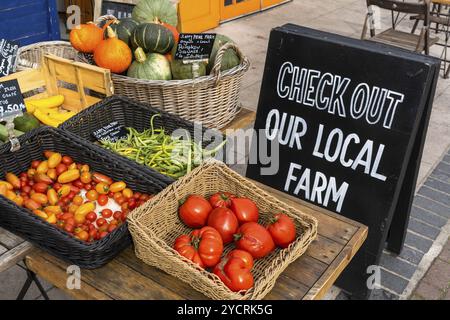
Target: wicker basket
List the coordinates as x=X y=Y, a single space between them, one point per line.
x=31 y=56
x=155 y=226
x=57 y=242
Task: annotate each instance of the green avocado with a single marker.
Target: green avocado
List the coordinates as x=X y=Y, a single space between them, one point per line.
x=26 y=123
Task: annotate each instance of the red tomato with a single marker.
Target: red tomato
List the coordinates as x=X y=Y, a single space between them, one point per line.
x=107 y=213
x=145 y=197
x=124 y=216
x=225 y=222
x=102 y=199
x=60 y=168
x=101 y=222
x=103 y=234
x=132 y=204
x=112 y=227
x=235 y=270
x=35 y=164
x=93 y=234
x=69 y=228
x=91 y=216
x=245 y=210
x=282 y=230
x=117 y=215
x=221 y=199
x=26 y=189
x=194 y=211
x=255 y=239
x=40 y=187
x=203 y=246
x=88 y=187
x=78 y=184
x=67 y=160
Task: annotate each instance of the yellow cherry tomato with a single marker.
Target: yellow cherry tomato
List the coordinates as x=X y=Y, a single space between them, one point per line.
x=52 y=196
x=54 y=160
x=64 y=191
x=53 y=210
x=42 y=167
x=69 y=176
x=85 y=208
x=86 y=177
x=102 y=188
x=117 y=186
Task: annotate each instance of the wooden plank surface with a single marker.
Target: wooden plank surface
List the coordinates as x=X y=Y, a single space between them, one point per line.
x=14 y=255
x=309 y=277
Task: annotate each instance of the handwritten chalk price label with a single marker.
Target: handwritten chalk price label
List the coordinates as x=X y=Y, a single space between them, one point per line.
x=195 y=46
x=8 y=56
x=112 y=132
x=11 y=99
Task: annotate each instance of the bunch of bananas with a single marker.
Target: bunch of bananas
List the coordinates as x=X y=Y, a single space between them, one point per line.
x=47 y=111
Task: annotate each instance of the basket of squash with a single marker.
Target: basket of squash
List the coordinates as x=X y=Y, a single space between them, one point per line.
x=140 y=53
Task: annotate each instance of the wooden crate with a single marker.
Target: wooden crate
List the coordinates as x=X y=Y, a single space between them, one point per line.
x=81 y=84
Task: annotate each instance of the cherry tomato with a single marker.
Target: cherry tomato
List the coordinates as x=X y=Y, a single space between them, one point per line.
x=102 y=188
x=31 y=173
x=13 y=180
x=111 y=194
x=107 y=213
x=67 y=160
x=124 y=216
x=71 y=221
x=69 y=176
x=114 y=221
x=88 y=187
x=43 y=167
x=137 y=195
x=26 y=189
x=82 y=235
x=64 y=191
x=23 y=175
x=127 y=193
x=117 y=215
x=61 y=168
x=48 y=153
x=78 y=200
x=91 y=216
x=121 y=199
x=93 y=234
x=40 y=198
x=117 y=186
x=112 y=227
x=132 y=204
x=84 y=168
x=71 y=195
x=78 y=183
x=69 y=228
x=145 y=197
x=80 y=218
x=31 y=204
x=86 y=177
x=66 y=216
x=101 y=178
x=103 y=234
x=245 y=210
x=101 y=222
x=35 y=164
x=92 y=195
x=102 y=200
x=225 y=222
x=40 y=187
x=124 y=207
x=194 y=211
x=282 y=230
x=54 y=160
x=57 y=186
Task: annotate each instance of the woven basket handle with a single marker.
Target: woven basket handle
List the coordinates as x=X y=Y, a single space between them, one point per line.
x=218 y=62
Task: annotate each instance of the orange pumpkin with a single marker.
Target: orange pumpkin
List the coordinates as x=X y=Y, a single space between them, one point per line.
x=113 y=53
x=86 y=37
x=176 y=34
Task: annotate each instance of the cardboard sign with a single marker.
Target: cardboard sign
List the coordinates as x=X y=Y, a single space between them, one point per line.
x=195 y=46
x=11 y=99
x=119 y=10
x=8 y=56
x=345 y=115
x=112 y=132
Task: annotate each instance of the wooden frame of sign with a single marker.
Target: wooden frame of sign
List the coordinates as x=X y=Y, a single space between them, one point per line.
x=349 y=118
x=99 y=6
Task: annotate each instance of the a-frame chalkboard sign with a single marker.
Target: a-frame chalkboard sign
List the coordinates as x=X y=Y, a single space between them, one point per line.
x=349 y=118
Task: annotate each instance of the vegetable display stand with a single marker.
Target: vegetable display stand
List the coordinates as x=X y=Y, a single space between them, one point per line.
x=59 y=76
x=155 y=226
x=31 y=56
x=57 y=242
x=135 y=115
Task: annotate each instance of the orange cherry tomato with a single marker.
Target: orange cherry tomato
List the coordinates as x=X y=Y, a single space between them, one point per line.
x=86 y=177
x=48 y=153
x=64 y=191
x=51 y=173
x=43 y=167
x=82 y=235
x=8 y=185
x=19 y=200
x=117 y=186
x=40 y=198
x=127 y=193
x=78 y=200
x=103 y=199
x=31 y=172
x=53 y=210
x=98 y=178
x=92 y=195
x=73 y=166
x=54 y=160
x=40 y=214
x=35 y=164
x=85 y=168
x=3 y=189
x=67 y=160
x=42 y=177
x=60 y=168
x=69 y=176
x=102 y=188
x=73 y=208
x=31 y=204
x=13 y=180
x=11 y=195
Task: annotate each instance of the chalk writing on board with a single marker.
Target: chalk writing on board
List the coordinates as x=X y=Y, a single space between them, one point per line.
x=8 y=56
x=193 y=46
x=112 y=132
x=11 y=99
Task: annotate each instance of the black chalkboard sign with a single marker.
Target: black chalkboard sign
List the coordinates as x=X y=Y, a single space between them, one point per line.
x=11 y=99
x=344 y=115
x=8 y=56
x=195 y=46
x=119 y=10
x=113 y=132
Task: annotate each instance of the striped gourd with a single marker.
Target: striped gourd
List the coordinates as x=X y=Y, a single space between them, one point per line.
x=152 y=37
x=124 y=28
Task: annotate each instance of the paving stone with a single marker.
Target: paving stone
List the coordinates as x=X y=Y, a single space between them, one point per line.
x=412 y=255
x=439 y=175
x=393 y=282
x=428 y=217
x=415 y=297
x=432 y=206
x=439 y=274
x=438 y=185
x=444 y=167
x=447 y=295
x=428 y=292
x=446 y=159
x=418 y=242
x=380 y=294
x=423 y=229
x=397 y=266
x=12 y=281
x=445 y=253
x=437 y=196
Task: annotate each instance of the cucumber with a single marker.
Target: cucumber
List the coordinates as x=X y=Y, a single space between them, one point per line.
x=4 y=133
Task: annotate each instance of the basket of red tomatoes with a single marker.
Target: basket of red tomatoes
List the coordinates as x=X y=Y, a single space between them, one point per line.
x=69 y=197
x=220 y=233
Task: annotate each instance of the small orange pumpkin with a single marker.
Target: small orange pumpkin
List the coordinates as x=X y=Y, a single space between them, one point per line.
x=113 y=53
x=86 y=37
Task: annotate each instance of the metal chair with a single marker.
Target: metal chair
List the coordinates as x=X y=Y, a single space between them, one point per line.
x=414 y=42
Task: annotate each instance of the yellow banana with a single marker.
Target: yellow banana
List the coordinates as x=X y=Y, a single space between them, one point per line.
x=61 y=116
x=30 y=107
x=45 y=119
x=51 y=102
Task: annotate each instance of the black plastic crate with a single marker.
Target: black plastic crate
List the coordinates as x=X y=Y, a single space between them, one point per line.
x=25 y=224
x=136 y=115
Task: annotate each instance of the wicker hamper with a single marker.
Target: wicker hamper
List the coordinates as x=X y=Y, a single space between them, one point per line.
x=57 y=242
x=136 y=115
x=31 y=56
x=155 y=226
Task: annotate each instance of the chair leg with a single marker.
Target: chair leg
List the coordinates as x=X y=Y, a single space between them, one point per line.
x=416 y=23
x=31 y=277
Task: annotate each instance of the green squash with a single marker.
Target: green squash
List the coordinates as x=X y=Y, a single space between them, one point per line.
x=229 y=60
x=123 y=28
x=155 y=11
x=153 y=66
x=181 y=71
x=26 y=122
x=152 y=37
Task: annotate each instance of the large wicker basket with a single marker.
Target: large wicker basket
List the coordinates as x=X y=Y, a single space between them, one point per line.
x=31 y=56
x=155 y=226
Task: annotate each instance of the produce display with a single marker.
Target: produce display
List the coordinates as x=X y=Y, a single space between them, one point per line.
x=224 y=219
x=171 y=156
x=87 y=205
x=149 y=38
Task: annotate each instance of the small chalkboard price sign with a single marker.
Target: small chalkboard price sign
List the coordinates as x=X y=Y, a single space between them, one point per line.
x=346 y=121
x=112 y=132
x=11 y=100
x=8 y=56
x=195 y=46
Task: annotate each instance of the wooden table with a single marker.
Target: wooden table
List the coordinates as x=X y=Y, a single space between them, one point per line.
x=126 y=277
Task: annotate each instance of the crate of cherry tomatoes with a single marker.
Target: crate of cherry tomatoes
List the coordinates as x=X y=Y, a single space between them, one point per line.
x=220 y=233
x=69 y=197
